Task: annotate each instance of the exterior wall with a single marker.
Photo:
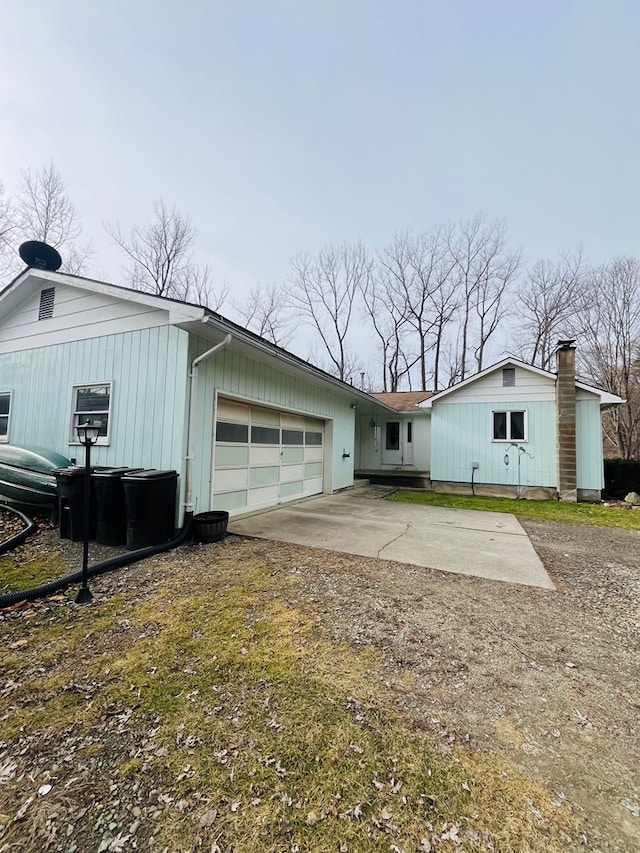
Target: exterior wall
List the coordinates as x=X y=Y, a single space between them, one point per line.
x=148 y=369
x=461 y=435
x=236 y=375
x=529 y=386
x=590 y=473
x=369 y=451
x=77 y=315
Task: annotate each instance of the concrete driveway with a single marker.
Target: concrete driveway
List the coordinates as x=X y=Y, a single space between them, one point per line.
x=485 y=544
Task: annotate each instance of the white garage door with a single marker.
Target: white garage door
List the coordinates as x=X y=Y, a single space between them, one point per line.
x=264 y=456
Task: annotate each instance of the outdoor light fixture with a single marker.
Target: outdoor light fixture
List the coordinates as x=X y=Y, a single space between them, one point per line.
x=87 y=436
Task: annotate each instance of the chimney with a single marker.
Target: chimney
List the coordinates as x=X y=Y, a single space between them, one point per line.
x=566 y=420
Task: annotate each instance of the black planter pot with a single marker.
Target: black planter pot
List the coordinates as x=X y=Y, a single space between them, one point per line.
x=210 y=526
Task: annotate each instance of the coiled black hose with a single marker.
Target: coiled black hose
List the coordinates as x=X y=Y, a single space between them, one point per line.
x=17 y=538
x=10 y=598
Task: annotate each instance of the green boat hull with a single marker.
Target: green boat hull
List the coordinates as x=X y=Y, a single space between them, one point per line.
x=26 y=474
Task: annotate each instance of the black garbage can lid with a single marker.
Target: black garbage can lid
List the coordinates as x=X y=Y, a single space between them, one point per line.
x=151 y=474
x=68 y=473
x=114 y=472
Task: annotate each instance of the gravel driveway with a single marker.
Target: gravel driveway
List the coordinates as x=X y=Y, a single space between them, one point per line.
x=548 y=678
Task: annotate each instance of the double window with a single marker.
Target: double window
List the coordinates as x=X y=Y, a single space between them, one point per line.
x=5 y=411
x=510 y=425
x=91 y=402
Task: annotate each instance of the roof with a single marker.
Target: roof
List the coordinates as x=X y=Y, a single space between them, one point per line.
x=186 y=315
x=403 y=401
x=606 y=399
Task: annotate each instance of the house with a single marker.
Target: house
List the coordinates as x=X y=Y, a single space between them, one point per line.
x=175 y=386
x=249 y=425
x=512 y=429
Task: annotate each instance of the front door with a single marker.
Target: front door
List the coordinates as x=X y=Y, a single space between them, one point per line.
x=392 y=444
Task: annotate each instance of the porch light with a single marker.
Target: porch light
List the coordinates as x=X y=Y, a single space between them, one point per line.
x=88 y=433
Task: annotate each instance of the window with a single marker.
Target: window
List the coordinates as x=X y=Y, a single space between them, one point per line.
x=265 y=435
x=92 y=402
x=392 y=435
x=509 y=426
x=237 y=433
x=5 y=406
x=312 y=438
x=293 y=436
x=409 y=432
x=47 y=297
x=508 y=377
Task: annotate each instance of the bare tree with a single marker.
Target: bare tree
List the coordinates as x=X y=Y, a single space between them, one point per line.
x=324 y=290
x=161 y=258
x=44 y=210
x=264 y=310
x=484 y=269
x=611 y=333
x=7 y=232
x=547 y=301
x=388 y=316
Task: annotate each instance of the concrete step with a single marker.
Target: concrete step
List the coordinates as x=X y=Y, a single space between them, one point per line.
x=360 y=484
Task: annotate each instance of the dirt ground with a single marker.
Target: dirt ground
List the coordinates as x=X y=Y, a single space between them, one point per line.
x=548 y=678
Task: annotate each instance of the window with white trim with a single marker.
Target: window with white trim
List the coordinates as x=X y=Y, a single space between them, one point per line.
x=5 y=411
x=91 y=402
x=509 y=425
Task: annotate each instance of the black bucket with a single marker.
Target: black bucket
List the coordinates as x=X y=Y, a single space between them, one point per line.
x=210 y=526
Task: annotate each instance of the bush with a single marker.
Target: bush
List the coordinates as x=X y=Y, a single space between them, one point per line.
x=621 y=476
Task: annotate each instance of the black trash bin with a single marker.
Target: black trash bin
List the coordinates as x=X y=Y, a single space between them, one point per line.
x=150 y=499
x=111 y=516
x=70 y=487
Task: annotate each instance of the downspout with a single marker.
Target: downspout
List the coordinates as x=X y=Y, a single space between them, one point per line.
x=193 y=405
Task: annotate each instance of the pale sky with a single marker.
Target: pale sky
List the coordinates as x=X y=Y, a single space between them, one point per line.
x=280 y=126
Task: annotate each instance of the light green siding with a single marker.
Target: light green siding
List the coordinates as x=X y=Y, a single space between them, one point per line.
x=235 y=374
x=590 y=473
x=461 y=435
x=148 y=409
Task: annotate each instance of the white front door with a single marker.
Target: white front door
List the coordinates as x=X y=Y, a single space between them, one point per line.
x=392 y=443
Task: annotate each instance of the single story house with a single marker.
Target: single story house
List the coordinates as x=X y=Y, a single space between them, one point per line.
x=249 y=425
x=512 y=429
x=175 y=386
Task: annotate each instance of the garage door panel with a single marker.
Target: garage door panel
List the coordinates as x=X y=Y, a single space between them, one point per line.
x=264 y=476
x=312 y=469
x=230 y=500
x=231 y=479
x=291 y=490
x=313 y=454
x=229 y=410
x=292 y=454
x=312 y=487
x=231 y=456
x=264 y=496
x=291 y=472
x=264 y=455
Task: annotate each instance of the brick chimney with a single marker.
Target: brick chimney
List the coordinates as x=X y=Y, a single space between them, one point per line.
x=566 y=420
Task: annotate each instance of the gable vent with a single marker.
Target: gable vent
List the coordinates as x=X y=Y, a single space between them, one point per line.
x=47 y=297
x=508 y=377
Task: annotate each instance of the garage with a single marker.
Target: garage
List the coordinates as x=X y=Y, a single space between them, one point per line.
x=264 y=456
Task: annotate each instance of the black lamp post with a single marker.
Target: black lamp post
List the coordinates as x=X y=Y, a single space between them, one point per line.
x=87 y=436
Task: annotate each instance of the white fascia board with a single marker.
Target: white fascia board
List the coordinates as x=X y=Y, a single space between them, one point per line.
x=290 y=360
x=31 y=280
x=514 y=362
x=606 y=398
